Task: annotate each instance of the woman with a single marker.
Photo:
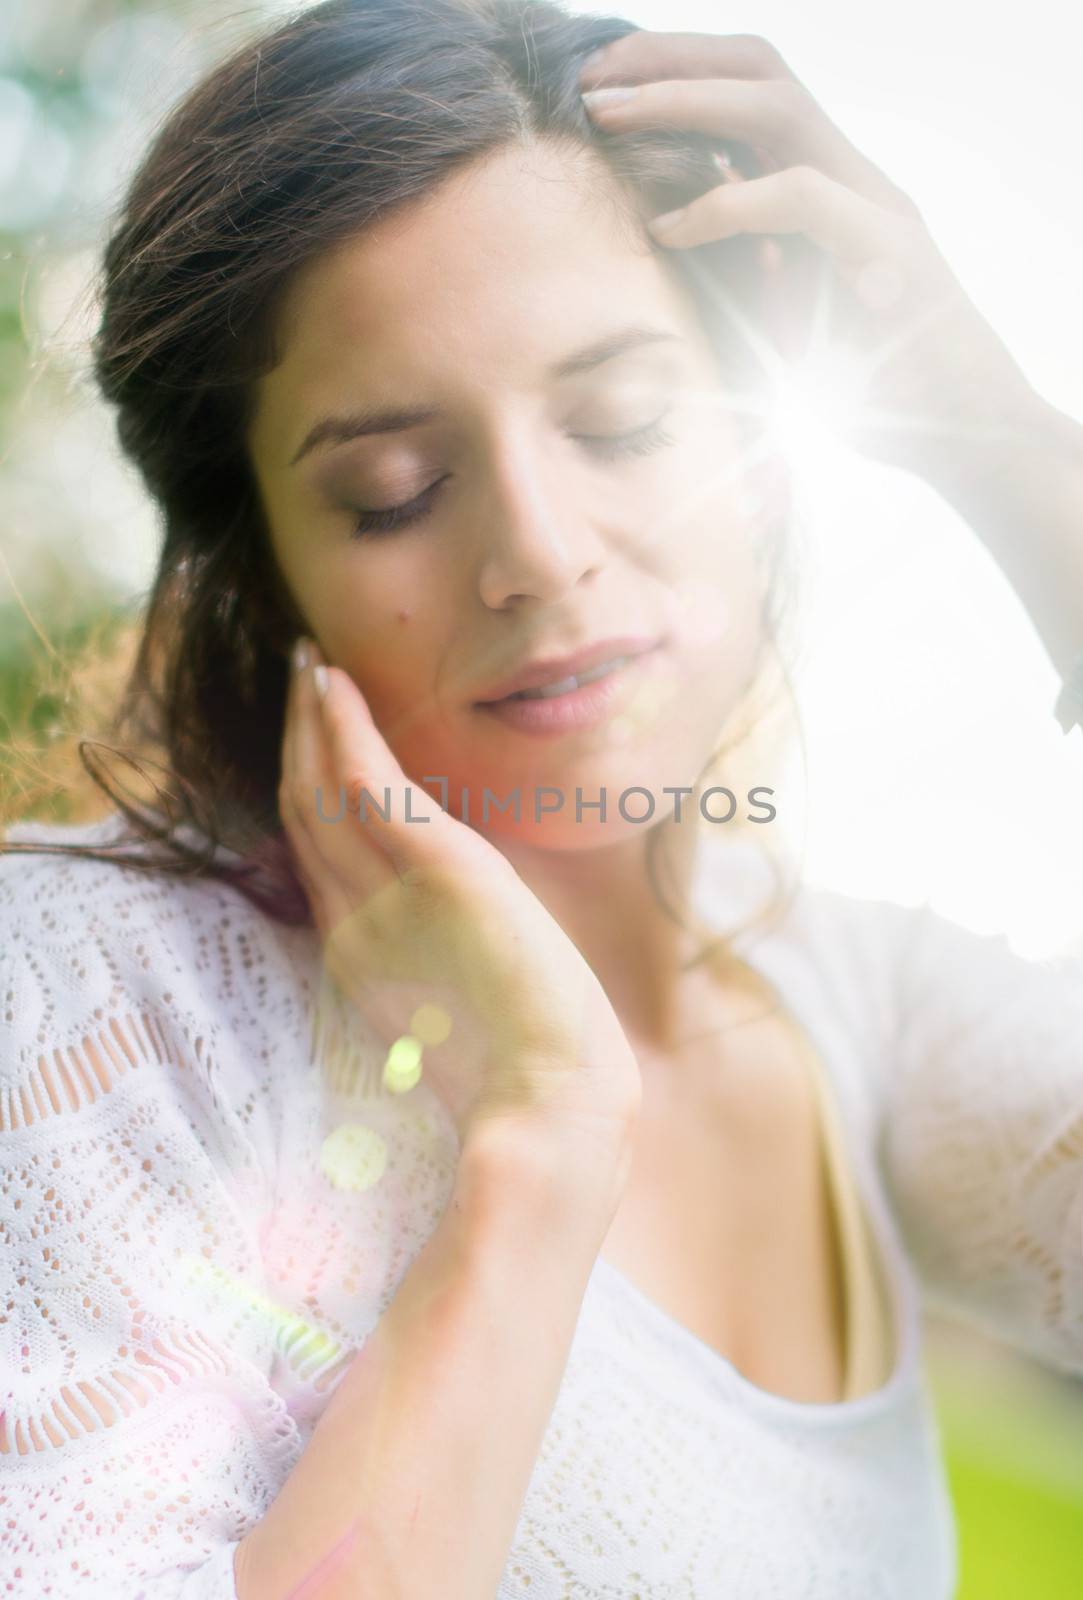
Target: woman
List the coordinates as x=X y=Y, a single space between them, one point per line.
x=484 y=1218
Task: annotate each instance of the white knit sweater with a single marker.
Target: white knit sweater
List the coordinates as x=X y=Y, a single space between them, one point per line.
x=207 y=1200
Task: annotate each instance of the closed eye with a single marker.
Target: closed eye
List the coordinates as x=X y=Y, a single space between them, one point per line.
x=610 y=446
x=640 y=442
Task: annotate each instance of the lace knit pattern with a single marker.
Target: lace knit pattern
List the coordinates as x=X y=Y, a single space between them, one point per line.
x=207 y=1200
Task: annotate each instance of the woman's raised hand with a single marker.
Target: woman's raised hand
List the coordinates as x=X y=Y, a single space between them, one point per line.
x=415 y=912
x=861 y=261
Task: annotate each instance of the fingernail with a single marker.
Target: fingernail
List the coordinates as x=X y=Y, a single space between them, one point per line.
x=668 y=220
x=300 y=654
x=319 y=675
x=600 y=99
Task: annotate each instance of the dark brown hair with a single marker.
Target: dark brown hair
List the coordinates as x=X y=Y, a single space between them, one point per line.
x=299 y=140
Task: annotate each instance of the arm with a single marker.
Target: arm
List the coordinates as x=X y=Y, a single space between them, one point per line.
x=985 y=1149
x=151 y=1416
x=1022 y=494
x=413 y=1481
x=981 y=1118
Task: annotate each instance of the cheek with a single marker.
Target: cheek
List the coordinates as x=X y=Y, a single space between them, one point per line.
x=372 y=614
x=394 y=652
x=715 y=553
x=377 y=613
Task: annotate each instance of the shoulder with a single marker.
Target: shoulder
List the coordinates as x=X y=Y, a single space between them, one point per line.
x=921 y=984
x=897 y=976
x=85 y=941
x=855 y=944
x=51 y=895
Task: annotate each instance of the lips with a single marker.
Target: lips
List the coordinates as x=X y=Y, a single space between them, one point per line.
x=548 y=670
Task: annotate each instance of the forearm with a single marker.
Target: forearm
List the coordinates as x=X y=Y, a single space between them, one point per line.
x=414 y=1478
x=1023 y=497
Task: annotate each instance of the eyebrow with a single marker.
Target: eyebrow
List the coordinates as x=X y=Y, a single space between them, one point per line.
x=333 y=431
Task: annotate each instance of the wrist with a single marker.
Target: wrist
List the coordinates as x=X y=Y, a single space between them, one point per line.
x=1000 y=457
x=1022 y=498
x=562 y=1165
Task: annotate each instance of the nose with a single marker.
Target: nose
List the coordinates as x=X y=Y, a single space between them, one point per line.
x=538 y=540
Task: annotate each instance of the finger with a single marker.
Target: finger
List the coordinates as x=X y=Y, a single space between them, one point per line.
x=800 y=199
x=287 y=777
x=348 y=868
x=355 y=876
x=780 y=116
x=399 y=817
x=304 y=763
x=312 y=770
x=292 y=721
x=645 y=53
x=757 y=113
x=308 y=866
x=311 y=803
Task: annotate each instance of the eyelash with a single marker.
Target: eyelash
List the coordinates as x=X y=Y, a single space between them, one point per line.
x=611 y=447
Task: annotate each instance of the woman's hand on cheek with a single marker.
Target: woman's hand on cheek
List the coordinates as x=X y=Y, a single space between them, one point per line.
x=860 y=267
x=416 y=909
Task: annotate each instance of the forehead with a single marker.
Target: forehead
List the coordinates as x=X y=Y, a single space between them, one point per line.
x=524 y=253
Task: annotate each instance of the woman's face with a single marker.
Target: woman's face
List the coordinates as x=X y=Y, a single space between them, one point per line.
x=478 y=316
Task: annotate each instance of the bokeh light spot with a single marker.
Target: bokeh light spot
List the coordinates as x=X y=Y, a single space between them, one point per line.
x=431 y=1024
x=402 y=1069
x=353 y=1156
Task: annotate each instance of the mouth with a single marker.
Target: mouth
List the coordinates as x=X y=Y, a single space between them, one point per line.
x=565 y=686
x=576 y=702
x=553 y=677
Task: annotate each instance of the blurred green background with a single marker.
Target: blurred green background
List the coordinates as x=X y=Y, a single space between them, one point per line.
x=80 y=87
